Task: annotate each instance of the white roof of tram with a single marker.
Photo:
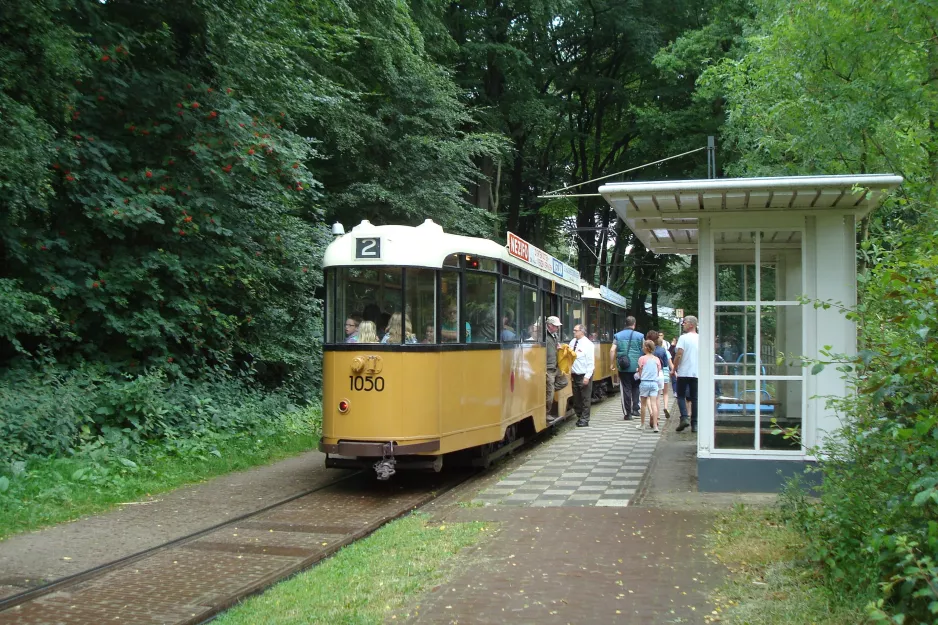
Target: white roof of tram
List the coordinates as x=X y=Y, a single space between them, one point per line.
x=426 y=245
x=663 y=215
x=604 y=293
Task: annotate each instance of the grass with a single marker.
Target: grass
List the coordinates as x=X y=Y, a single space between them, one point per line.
x=48 y=491
x=365 y=582
x=770 y=582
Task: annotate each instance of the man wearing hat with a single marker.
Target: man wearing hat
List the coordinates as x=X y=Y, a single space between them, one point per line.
x=553 y=338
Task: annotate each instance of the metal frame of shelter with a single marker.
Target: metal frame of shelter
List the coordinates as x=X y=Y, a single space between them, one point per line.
x=764 y=245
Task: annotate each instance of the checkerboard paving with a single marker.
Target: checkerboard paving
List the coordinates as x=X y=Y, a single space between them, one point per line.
x=600 y=465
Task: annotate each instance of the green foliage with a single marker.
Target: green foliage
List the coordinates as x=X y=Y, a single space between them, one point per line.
x=58 y=411
x=39 y=491
x=877 y=520
x=848 y=87
x=162 y=173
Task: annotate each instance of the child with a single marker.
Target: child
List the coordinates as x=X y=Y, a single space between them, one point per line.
x=649 y=368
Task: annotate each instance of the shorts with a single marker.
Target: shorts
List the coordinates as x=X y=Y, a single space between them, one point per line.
x=648 y=389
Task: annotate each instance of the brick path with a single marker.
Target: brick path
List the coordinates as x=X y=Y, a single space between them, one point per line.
x=600 y=465
x=577 y=565
x=571 y=545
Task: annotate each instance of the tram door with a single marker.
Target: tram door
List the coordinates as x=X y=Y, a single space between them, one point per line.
x=551 y=305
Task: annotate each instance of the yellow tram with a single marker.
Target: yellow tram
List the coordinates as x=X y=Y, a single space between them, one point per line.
x=604 y=313
x=435 y=344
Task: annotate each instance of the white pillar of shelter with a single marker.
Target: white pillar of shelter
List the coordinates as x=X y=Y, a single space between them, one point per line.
x=763 y=244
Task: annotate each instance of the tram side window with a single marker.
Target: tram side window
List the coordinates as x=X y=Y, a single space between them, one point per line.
x=419 y=307
x=449 y=296
x=577 y=317
x=593 y=321
x=604 y=322
x=480 y=310
x=330 y=305
x=509 y=331
x=530 y=320
x=373 y=294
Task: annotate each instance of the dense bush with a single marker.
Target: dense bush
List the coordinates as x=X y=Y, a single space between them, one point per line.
x=56 y=411
x=876 y=523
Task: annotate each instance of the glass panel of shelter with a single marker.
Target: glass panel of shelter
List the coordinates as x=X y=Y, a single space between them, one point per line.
x=749 y=390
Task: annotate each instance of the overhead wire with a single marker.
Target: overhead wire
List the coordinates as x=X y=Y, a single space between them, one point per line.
x=553 y=194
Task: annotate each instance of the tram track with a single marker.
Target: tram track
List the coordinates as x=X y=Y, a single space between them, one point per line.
x=193 y=578
x=69 y=580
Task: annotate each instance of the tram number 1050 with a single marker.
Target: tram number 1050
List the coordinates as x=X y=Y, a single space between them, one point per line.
x=366 y=383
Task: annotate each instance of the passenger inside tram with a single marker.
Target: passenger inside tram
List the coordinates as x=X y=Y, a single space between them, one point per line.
x=367 y=332
x=450 y=330
x=395 y=332
x=508 y=332
x=429 y=335
x=383 y=323
x=351 y=328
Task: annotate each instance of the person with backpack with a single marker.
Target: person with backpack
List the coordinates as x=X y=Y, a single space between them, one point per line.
x=625 y=352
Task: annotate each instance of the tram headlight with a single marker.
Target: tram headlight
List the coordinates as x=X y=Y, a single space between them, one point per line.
x=343 y=406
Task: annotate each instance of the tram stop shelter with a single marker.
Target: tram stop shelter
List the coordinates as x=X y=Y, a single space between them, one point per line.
x=764 y=245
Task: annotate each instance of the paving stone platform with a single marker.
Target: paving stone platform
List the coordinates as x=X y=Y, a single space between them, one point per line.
x=577 y=566
x=599 y=465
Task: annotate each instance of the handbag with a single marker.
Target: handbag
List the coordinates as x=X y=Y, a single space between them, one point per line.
x=623 y=362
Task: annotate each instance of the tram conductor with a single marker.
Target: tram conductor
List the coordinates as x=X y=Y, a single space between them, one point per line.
x=582 y=374
x=553 y=327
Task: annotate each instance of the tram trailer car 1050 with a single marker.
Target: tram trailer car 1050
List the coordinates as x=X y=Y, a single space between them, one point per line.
x=435 y=345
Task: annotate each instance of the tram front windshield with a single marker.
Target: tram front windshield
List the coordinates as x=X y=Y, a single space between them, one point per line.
x=414 y=305
x=377 y=305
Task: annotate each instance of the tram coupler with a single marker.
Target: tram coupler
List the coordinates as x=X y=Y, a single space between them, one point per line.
x=384 y=468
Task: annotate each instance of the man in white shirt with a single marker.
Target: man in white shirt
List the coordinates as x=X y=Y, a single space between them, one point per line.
x=687 y=367
x=582 y=374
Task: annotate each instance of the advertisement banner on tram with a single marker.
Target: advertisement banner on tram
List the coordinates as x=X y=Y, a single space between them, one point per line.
x=521 y=249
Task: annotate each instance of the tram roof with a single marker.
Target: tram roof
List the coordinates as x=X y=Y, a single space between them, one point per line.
x=426 y=245
x=604 y=293
x=664 y=215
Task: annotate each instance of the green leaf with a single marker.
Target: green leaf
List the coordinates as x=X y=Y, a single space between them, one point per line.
x=128 y=463
x=817 y=368
x=4 y=483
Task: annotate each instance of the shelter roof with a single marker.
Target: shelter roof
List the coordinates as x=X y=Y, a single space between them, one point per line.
x=664 y=215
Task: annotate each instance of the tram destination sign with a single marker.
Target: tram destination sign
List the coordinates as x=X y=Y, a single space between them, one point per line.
x=521 y=249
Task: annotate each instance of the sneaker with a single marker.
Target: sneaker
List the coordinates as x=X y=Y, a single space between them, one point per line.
x=682 y=425
x=639 y=427
x=582 y=424
x=656 y=430
x=694 y=429
x=627 y=417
